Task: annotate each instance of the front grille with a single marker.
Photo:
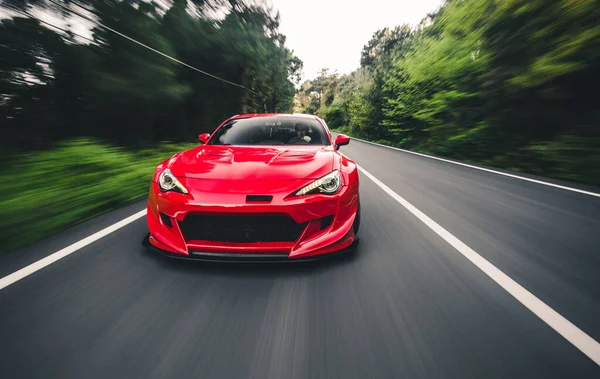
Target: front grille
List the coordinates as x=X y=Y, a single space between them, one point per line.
x=240 y=228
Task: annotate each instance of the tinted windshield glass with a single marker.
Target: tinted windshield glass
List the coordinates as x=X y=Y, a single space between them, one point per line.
x=271 y=131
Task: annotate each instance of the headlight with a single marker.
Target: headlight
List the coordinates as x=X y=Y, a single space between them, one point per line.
x=328 y=184
x=168 y=182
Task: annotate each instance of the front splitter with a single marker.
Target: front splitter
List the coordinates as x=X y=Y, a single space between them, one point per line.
x=247 y=257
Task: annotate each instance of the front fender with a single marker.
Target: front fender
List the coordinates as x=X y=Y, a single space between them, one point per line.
x=349 y=170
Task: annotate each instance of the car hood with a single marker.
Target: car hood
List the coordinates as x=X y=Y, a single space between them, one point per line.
x=254 y=163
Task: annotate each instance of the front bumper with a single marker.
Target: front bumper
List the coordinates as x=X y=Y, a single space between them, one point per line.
x=165 y=212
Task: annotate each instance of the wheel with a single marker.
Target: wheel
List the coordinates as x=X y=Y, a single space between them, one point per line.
x=356 y=224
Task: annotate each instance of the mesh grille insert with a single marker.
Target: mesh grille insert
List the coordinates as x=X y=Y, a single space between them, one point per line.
x=240 y=228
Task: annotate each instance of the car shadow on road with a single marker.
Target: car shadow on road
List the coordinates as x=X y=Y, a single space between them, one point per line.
x=259 y=269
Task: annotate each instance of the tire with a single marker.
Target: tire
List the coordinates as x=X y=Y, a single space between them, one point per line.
x=356 y=224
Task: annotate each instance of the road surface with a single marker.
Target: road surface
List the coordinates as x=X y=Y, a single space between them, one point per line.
x=407 y=305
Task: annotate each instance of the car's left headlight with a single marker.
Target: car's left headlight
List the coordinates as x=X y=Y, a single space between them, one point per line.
x=328 y=184
x=168 y=182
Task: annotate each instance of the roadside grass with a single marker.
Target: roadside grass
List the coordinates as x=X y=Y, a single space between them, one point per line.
x=48 y=191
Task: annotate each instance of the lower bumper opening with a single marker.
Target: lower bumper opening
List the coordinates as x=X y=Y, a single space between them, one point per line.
x=238 y=257
x=240 y=228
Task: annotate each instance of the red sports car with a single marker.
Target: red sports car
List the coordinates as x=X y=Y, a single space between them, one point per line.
x=262 y=187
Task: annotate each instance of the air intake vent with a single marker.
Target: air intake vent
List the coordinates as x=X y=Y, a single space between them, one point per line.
x=258 y=199
x=326 y=221
x=166 y=220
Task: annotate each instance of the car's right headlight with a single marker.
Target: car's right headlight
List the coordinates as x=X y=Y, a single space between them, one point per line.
x=168 y=182
x=329 y=184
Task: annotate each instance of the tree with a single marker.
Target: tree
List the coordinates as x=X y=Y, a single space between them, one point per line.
x=114 y=89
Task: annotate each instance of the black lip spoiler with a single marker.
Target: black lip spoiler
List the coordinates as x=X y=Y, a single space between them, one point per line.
x=246 y=257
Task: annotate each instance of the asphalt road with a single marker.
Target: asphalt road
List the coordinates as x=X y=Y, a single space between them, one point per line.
x=407 y=305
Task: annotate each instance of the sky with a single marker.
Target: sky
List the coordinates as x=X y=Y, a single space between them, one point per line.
x=332 y=33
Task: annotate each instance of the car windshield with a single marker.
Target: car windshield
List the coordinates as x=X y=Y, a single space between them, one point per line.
x=271 y=130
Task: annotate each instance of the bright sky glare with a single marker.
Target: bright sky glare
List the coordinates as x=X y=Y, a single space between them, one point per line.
x=331 y=33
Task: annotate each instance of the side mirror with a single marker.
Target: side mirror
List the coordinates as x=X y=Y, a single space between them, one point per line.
x=204 y=137
x=341 y=140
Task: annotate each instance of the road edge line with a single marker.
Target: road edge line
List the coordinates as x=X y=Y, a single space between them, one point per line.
x=48 y=260
x=572 y=189
x=577 y=337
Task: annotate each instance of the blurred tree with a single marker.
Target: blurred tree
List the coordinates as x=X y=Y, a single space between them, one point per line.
x=54 y=86
x=132 y=86
x=29 y=54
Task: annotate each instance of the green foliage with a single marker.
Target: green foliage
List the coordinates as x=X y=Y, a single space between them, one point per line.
x=78 y=180
x=502 y=82
x=335 y=117
x=570 y=157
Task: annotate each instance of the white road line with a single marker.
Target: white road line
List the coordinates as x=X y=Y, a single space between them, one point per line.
x=564 y=327
x=486 y=169
x=38 y=265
